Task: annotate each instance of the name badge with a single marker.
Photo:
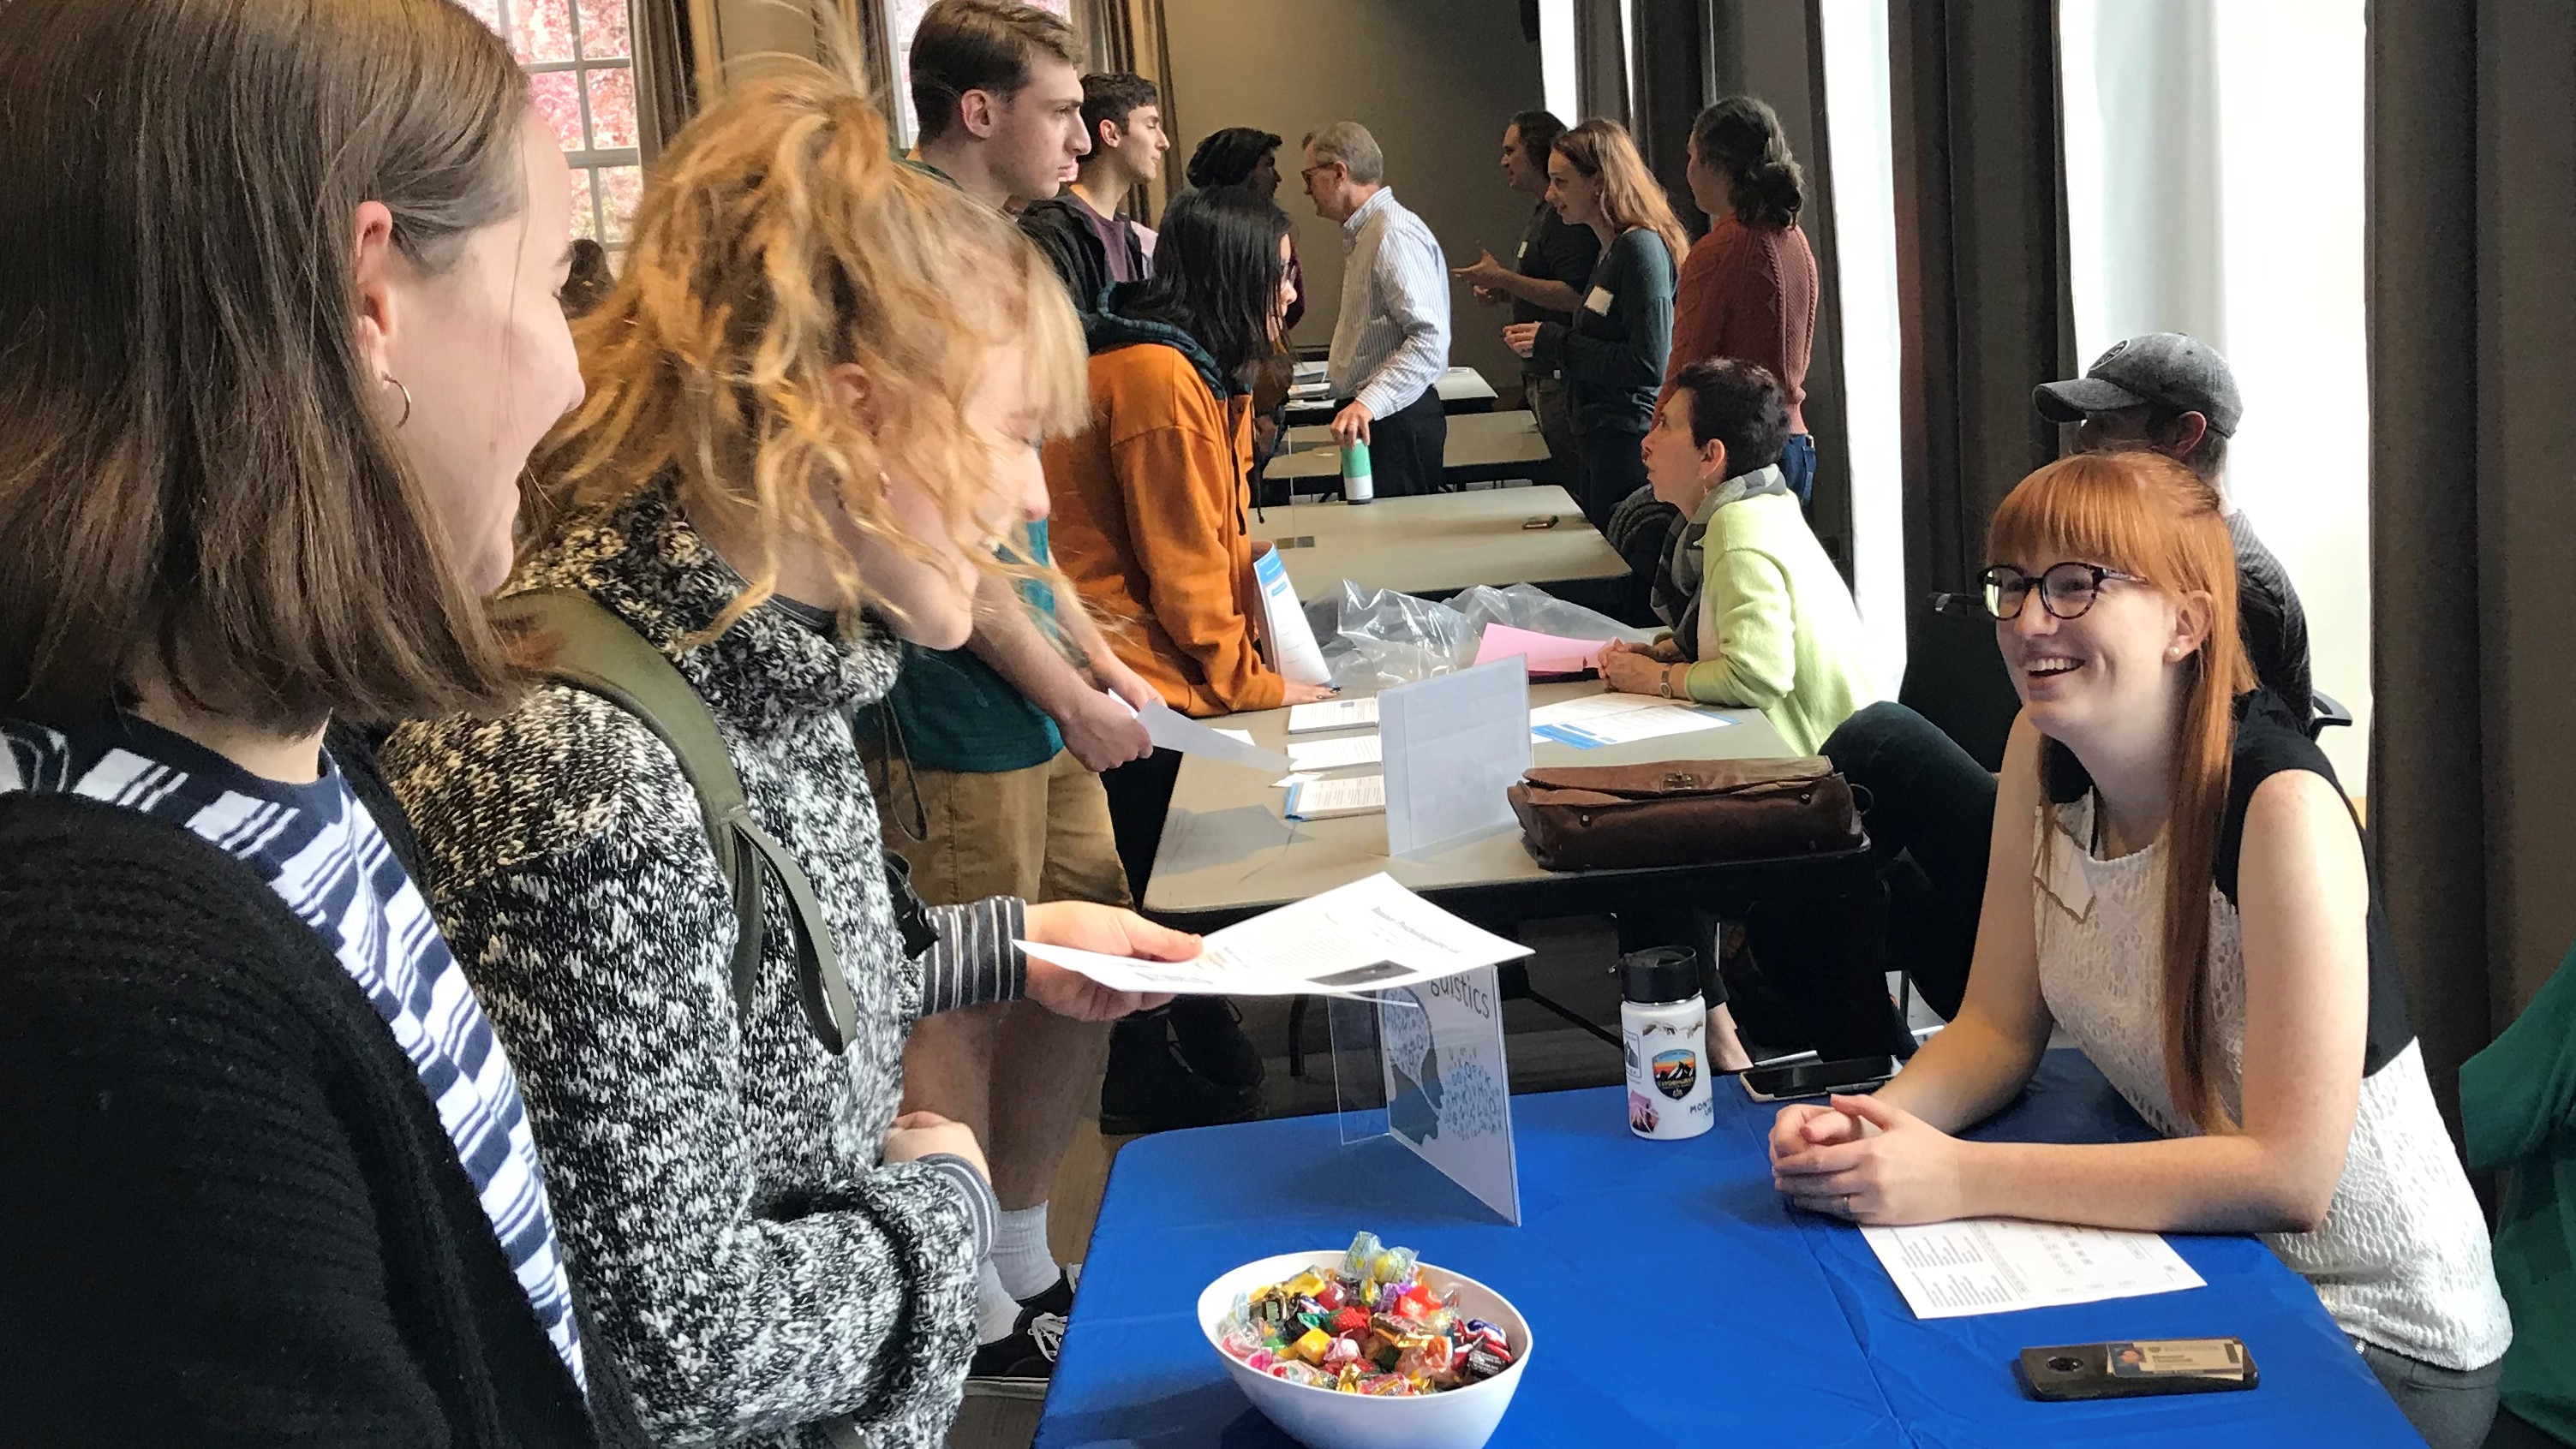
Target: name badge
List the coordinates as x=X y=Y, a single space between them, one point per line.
x=1523 y=252
x=1599 y=302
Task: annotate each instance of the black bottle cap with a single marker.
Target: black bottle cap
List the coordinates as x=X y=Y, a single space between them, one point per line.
x=1659 y=976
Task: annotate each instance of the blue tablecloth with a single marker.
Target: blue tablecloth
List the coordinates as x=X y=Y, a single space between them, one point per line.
x=1675 y=1299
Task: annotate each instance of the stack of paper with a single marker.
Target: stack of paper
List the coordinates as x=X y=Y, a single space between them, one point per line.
x=1363 y=937
x=1544 y=653
x=1306 y=755
x=1316 y=798
x=1332 y=714
x=1999 y=1265
x=1616 y=719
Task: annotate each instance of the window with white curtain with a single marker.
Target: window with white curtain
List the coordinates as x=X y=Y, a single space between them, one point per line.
x=2214 y=168
x=1859 y=127
x=580 y=64
x=903 y=17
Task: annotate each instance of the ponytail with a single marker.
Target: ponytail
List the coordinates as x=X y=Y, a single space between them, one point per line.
x=1740 y=138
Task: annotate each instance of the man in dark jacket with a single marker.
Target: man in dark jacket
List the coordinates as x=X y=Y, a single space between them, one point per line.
x=1080 y=231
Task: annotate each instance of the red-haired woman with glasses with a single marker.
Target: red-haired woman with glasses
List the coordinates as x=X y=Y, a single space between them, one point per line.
x=2197 y=915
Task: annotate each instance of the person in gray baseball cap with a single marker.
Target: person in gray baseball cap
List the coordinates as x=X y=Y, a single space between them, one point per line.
x=2174 y=394
x=1933 y=812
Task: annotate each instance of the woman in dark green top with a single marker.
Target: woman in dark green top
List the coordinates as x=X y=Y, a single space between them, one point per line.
x=1613 y=352
x=2518 y=1109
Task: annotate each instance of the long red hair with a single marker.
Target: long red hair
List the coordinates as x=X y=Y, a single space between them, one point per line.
x=2145 y=514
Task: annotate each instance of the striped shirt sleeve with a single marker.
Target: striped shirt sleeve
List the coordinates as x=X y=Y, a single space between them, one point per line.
x=1411 y=281
x=973 y=962
x=983 y=1210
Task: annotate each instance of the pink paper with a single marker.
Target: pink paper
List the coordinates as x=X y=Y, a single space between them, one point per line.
x=1543 y=653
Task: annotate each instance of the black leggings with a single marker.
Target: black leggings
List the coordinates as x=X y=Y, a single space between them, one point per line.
x=1613 y=467
x=1931 y=822
x=1140 y=794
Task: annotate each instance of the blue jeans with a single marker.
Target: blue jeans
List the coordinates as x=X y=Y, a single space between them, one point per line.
x=1798 y=466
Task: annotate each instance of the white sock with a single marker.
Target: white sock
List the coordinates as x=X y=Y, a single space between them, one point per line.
x=1021 y=1255
x=996 y=1311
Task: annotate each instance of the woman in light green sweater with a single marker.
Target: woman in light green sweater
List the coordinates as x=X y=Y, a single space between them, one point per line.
x=1777 y=630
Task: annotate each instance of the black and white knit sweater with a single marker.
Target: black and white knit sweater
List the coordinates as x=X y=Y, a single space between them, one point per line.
x=717 y=1181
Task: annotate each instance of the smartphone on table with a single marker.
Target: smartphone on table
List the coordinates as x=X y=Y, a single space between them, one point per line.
x=1817 y=1079
x=2137 y=1368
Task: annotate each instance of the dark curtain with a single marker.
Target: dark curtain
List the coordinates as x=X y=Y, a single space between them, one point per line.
x=666 y=49
x=1981 y=266
x=1600 y=62
x=1108 y=32
x=1673 y=84
x=876 y=47
x=2472 y=220
x=1827 y=417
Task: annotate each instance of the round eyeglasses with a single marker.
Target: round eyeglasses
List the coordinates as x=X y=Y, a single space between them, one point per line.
x=2066 y=590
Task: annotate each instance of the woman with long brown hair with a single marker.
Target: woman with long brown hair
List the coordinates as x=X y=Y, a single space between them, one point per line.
x=2178 y=882
x=1748 y=288
x=802 y=444
x=1613 y=352
x=281 y=326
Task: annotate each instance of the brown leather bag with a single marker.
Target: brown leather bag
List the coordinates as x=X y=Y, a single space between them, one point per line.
x=1684 y=812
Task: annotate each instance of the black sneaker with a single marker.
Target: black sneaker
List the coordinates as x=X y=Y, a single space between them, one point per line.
x=1029 y=1350
x=1151 y=1087
x=1209 y=1031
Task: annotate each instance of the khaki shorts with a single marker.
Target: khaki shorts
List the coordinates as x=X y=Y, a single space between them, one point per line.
x=1041 y=834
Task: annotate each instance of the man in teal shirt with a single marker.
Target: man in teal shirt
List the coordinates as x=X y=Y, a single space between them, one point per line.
x=2518 y=1106
x=991 y=770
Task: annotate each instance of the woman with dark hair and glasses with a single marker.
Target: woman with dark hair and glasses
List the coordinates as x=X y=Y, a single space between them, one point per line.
x=1148 y=518
x=1748 y=288
x=1773 y=626
x=2177 y=885
x=1248 y=157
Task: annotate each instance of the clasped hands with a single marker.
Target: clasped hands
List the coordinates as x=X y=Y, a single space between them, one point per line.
x=1638 y=668
x=1868 y=1161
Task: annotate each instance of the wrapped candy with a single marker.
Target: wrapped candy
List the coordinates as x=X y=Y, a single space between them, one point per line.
x=1368 y=1325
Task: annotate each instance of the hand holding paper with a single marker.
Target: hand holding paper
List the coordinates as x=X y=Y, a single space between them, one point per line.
x=1171 y=730
x=1086 y=926
x=1362 y=937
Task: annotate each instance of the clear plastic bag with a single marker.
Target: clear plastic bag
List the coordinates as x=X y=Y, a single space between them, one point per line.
x=1373 y=638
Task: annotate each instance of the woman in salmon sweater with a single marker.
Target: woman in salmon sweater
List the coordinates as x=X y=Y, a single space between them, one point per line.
x=1748 y=288
x=1149 y=503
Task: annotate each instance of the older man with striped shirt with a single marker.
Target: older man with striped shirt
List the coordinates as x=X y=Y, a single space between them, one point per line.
x=1391 y=341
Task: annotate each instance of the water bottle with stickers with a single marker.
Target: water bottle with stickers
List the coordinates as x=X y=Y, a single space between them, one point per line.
x=1357 y=487
x=1663 y=1024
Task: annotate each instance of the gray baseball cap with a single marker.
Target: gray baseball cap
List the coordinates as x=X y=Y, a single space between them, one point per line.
x=2164 y=368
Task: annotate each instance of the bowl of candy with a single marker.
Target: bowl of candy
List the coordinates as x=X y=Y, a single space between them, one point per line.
x=1368 y=1348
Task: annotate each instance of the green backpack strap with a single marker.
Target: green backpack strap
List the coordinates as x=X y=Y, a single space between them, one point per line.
x=597 y=651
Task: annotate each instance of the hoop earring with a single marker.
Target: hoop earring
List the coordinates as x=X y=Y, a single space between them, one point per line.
x=406 y=397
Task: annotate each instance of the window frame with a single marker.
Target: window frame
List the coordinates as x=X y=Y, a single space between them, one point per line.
x=593 y=162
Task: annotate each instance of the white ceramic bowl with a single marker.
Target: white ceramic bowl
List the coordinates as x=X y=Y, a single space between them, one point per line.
x=1462 y=1418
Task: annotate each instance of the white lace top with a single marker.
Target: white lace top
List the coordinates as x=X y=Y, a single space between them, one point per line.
x=2402 y=1259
